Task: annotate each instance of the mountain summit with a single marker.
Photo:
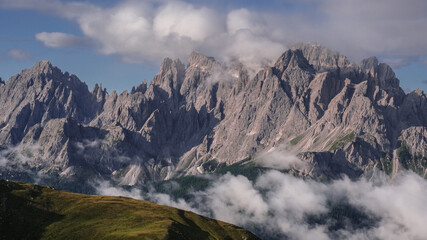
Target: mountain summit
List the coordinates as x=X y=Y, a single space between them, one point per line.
x=338 y=117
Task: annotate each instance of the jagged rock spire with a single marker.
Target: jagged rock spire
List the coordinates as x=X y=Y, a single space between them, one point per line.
x=44 y=66
x=322 y=58
x=99 y=92
x=198 y=59
x=140 y=88
x=293 y=59
x=170 y=77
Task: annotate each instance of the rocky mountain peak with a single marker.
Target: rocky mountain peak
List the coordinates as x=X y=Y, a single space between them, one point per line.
x=43 y=72
x=369 y=65
x=321 y=57
x=43 y=64
x=419 y=92
x=293 y=59
x=44 y=75
x=295 y=72
x=140 y=88
x=382 y=73
x=169 y=69
x=1 y=82
x=199 y=60
x=417 y=96
x=170 y=65
x=44 y=67
x=170 y=77
x=99 y=92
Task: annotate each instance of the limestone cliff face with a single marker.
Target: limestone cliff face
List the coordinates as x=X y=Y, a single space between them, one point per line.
x=339 y=117
x=37 y=95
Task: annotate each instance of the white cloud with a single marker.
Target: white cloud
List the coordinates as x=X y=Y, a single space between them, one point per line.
x=277 y=205
x=165 y=199
x=185 y=20
x=228 y=198
x=16 y=158
x=148 y=32
x=19 y=159
x=105 y=188
x=281 y=159
x=60 y=40
x=18 y=54
x=151 y=30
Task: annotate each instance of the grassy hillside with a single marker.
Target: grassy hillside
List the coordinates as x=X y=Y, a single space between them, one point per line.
x=35 y=212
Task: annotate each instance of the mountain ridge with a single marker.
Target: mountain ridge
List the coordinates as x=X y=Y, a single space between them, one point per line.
x=338 y=117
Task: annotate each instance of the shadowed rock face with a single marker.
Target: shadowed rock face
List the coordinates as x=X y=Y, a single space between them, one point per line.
x=338 y=116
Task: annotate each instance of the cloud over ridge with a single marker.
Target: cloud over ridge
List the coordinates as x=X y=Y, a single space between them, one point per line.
x=60 y=40
x=149 y=31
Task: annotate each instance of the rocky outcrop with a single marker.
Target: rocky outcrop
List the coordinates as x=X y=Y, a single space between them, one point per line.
x=37 y=95
x=322 y=59
x=339 y=117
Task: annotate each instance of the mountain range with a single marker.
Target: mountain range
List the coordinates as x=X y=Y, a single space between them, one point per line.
x=336 y=116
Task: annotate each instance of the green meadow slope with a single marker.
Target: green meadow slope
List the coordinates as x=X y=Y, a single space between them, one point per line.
x=36 y=212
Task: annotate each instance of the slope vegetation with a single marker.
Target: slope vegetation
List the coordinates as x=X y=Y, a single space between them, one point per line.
x=35 y=212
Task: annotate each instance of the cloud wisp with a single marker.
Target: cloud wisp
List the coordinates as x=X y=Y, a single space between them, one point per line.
x=18 y=54
x=60 y=40
x=281 y=159
x=17 y=160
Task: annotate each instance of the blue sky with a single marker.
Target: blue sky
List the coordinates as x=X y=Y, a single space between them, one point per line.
x=121 y=43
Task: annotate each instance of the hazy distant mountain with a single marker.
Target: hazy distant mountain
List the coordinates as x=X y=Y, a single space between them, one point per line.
x=339 y=117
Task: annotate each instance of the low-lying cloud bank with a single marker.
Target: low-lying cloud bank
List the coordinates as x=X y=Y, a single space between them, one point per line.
x=278 y=205
x=17 y=161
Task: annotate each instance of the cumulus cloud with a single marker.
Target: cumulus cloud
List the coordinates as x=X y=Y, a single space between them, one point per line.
x=174 y=30
x=60 y=40
x=149 y=31
x=185 y=20
x=276 y=205
x=18 y=54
